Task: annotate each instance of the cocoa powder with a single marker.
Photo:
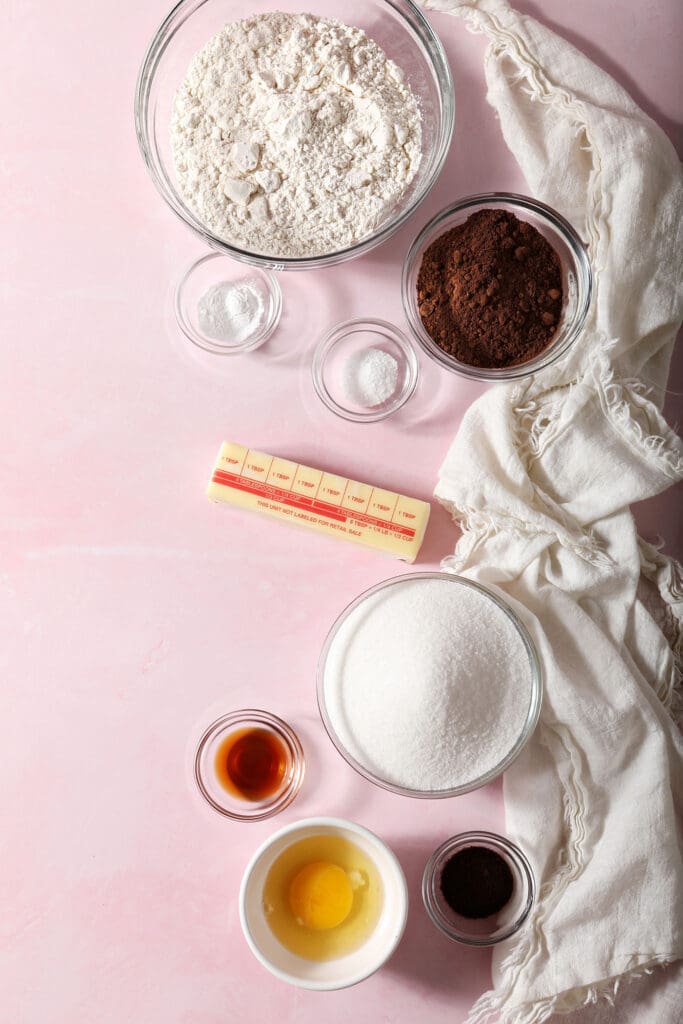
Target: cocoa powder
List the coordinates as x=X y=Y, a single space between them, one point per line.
x=489 y=291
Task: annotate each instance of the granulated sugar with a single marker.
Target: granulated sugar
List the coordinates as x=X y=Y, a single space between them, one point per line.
x=428 y=684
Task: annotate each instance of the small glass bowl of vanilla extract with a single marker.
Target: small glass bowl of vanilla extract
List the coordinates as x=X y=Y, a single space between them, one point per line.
x=249 y=765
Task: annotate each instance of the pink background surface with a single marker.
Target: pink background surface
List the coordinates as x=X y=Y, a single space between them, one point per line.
x=132 y=609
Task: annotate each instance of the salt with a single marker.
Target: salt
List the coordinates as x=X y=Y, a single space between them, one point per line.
x=428 y=684
x=231 y=311
x=369 y=377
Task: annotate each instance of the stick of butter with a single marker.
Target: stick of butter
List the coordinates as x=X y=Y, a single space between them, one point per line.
x=379 y=519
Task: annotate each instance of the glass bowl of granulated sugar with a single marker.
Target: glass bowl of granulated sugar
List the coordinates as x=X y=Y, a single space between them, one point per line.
x=429 y=685
x=294 y=140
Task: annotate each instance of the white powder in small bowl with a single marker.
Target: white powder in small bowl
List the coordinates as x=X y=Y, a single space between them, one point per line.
x=231 y=311
x=369 y=377
x=428 y=684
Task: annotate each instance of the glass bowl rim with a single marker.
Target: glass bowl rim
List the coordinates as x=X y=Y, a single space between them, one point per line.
x=582 y=267
x=436 y=57
x=256 y=717
x=215 y=347
x=462 y=841
x=336 y=334
x=535 y=701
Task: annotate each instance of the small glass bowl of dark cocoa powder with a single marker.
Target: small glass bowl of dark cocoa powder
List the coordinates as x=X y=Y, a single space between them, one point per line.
x=497 y=286
x=478 y=888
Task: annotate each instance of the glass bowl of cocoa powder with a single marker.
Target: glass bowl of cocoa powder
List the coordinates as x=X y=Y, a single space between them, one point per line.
x=497 y=286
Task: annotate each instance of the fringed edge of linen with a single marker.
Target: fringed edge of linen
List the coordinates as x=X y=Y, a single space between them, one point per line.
x=666 y=574
x=477 y=525
x=629 y=410
x=535 y=423
x=488 y=1010
x=539 y=88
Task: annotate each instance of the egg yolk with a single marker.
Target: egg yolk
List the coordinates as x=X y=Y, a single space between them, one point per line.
x=320 y=895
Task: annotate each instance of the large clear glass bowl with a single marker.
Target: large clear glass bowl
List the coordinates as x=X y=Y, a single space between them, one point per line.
x=532 y=709
x=396 y=25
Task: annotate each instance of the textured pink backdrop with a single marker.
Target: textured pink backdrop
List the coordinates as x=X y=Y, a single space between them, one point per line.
x=132 y=608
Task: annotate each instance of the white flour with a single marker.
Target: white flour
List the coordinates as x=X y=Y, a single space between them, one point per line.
x=294 y=135
x=428 y=684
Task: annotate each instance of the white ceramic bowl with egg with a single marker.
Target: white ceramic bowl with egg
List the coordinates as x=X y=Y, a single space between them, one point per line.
x=345 y=970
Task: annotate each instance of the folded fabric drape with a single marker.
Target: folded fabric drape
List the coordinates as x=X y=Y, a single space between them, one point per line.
x=540 y=478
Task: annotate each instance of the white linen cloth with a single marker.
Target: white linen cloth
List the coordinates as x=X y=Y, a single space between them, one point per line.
x=540 y=478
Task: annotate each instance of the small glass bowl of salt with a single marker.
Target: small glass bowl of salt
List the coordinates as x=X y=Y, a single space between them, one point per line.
x=364 y=370
x=226 y=308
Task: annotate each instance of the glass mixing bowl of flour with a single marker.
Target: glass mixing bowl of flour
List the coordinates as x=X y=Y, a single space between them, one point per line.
x=397 y=26
x=429 y=685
